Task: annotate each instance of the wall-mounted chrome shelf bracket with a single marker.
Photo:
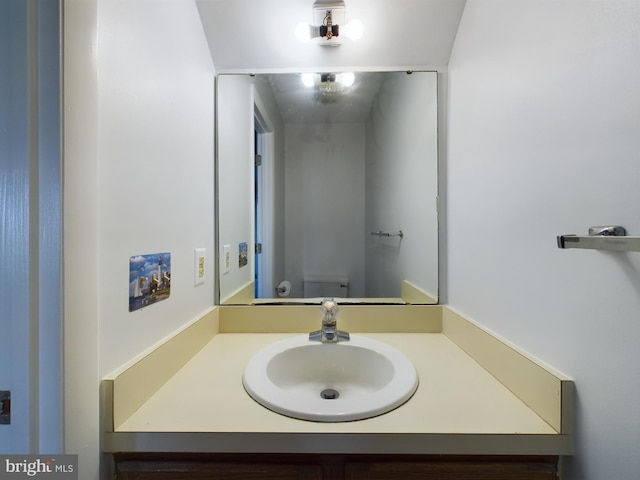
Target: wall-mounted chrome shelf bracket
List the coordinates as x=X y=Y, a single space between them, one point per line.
x=380 y=233
x=602 y=238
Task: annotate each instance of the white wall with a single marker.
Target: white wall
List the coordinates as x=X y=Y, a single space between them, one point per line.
x=155 y=152
x=138 y=179
x=324 y=203
x=80 y=236
x=544 y=140
x=402 y=185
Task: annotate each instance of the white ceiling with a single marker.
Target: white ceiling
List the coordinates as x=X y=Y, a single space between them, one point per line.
x=258 y=35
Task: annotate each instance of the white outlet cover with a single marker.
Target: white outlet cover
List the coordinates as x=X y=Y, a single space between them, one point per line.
x=199 y=265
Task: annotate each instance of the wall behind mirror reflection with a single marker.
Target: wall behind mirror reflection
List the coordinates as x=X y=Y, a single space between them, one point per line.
x=334 y=180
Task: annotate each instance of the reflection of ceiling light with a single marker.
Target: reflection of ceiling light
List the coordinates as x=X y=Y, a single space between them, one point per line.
x=308 y=80
x=328 y=87
x=329 y=25
x=329 y=80
x=346 y=78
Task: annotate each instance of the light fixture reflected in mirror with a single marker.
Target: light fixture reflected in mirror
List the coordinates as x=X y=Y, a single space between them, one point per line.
x=308 y=79
x=329 y=25
x=344 y=79
x=328 y=87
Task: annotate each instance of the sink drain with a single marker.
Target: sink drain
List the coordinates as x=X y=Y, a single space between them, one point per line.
x=329 y=394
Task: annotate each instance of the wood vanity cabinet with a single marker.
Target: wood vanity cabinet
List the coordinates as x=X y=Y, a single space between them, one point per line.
x=184 y=466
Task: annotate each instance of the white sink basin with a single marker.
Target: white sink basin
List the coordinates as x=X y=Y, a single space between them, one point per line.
x=299 y=378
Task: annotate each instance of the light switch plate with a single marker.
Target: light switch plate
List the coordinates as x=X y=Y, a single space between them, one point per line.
x=199 y=265
x=226 y=259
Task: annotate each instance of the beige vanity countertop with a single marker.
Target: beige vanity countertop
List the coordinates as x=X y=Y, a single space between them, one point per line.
x=459 y=408
x=455 y=395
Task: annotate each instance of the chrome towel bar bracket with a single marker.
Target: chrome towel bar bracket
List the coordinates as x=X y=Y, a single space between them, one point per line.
x=380 y=233
x=613 y=238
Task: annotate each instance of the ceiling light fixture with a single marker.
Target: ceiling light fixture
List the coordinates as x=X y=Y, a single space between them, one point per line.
x=329 y=25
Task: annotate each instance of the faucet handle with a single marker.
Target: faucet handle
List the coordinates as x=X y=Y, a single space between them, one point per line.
x=329 y=308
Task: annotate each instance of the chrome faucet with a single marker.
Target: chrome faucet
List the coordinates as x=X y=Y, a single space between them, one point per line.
x=329 y=332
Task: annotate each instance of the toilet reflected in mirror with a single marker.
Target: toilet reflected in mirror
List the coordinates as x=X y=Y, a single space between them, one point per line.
x=325 y=286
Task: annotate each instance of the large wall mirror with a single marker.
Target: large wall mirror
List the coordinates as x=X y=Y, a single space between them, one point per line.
x=327 y=186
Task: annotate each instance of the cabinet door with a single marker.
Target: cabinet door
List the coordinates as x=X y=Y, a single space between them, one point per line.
x=206 y=470
x=450 y=470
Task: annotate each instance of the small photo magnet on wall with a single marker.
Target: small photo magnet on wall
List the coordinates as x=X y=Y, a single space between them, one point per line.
x=149 y=279
x=243 y=254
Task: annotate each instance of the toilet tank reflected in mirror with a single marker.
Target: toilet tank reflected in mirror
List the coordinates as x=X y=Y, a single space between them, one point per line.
x=325 y=286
